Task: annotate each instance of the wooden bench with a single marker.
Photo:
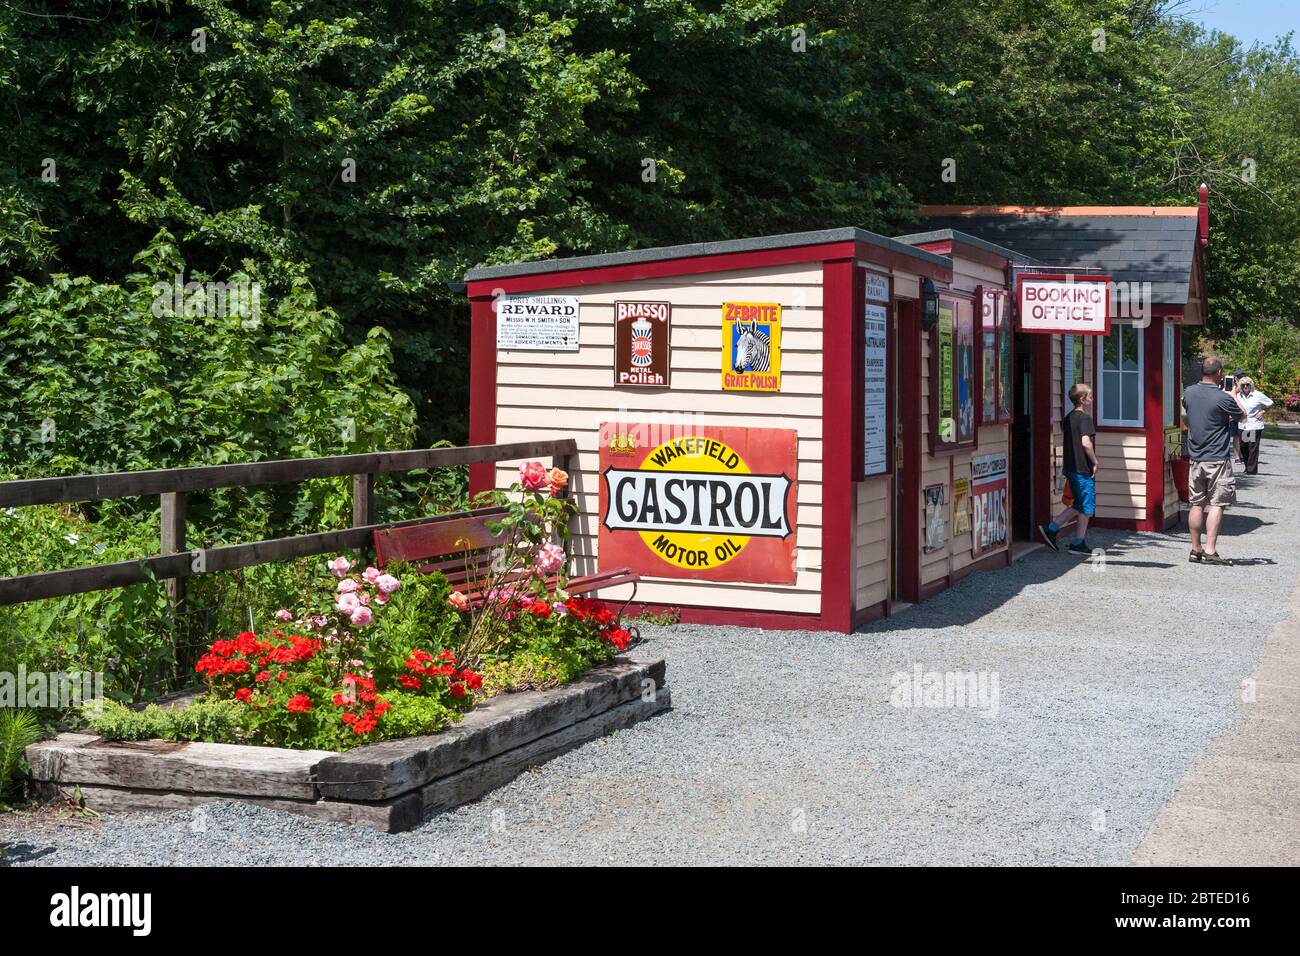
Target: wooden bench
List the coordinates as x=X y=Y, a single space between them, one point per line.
x=461 y=548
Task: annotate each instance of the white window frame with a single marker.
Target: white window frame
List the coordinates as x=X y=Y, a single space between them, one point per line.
x=1100 y=378
x=1169 y=379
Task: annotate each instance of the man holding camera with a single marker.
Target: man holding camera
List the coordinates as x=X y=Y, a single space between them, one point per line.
x=1209 y=412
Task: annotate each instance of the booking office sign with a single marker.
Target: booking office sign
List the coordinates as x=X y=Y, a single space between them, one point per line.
x=711 y=504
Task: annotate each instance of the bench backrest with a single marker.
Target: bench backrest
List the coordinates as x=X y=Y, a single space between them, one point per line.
x=449 y=545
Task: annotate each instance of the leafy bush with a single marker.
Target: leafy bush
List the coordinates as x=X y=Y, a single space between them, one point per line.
x=1280 y=376
x=19 y=729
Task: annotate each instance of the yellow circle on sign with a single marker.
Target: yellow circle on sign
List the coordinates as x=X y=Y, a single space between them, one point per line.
x=690 y=550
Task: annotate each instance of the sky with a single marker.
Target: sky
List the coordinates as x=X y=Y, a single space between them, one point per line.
x=1248 y=20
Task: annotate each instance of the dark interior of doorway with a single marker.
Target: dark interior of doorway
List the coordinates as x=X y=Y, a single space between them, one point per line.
x=1022 y=442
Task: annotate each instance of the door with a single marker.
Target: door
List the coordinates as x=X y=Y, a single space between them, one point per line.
x=1022 y=442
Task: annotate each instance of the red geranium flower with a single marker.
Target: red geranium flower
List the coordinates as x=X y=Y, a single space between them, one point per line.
x=457 y=689
x=244 y=694
x=298 y=704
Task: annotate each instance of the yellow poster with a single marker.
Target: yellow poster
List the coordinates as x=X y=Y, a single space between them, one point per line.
x=960 y=505
x=751 y=347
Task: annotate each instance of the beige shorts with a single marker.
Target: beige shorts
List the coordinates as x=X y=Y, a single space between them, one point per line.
x=1211 y=485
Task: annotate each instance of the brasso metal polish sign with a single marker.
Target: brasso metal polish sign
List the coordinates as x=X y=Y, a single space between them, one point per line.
x=1063 y=304
x=716 y=504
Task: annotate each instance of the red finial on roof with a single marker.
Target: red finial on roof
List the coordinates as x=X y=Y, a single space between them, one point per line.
x=1203 y=214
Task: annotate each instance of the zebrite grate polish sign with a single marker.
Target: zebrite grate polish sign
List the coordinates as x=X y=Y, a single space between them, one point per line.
x=715 y=504
x=751 y=347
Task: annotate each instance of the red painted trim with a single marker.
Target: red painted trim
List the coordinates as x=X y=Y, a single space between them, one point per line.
x=1161 y=311
x=934 y=587
x=482 y=390
x=1041 y=456
x=887 y=260
x=1117 y=524
x=1203 y=214
x=732 y=617
x=990 y=562
x=858 y=344
x=1123 y=429
x=840 y=443
x=1059 y=277
x=907 y=496
x=867 y=615
x=1154 y=339
x=688 y=265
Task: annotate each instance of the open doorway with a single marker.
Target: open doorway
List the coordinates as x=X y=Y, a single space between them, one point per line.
x=1022 y=442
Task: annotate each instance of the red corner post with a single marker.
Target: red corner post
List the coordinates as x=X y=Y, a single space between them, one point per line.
x=839 y=442
x=1153 y=417
x=482 y=389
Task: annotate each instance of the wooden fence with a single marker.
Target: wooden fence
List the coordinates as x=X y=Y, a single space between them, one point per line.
x=174 y=562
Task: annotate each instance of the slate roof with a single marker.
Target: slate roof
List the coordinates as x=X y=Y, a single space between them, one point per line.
x=1157 y=245
x=956 y=235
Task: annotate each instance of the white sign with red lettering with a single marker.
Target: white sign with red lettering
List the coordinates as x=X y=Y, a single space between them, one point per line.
x=1064 y=304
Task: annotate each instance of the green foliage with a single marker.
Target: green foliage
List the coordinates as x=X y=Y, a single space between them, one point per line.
x=1279 y=375
x=19 y=729
x=214 y=721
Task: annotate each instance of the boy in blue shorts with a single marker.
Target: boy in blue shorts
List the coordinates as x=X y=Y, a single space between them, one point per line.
x=1080 y=467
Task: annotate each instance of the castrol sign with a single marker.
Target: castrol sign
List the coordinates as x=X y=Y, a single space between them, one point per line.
x=1063 y=304
x=708 y=503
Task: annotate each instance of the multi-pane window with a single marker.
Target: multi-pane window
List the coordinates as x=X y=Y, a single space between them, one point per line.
x=1119 y=382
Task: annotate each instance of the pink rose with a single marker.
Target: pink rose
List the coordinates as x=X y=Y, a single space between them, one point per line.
x=347 y=585
x=284 y=615
x=339 y=566
x=347 y=603
x=371 y=575
x=362 y=616
x=387 y=583
x=381 y=599
x=549 y=558
x=363 y=598
x=533 y=476
x=458 y=601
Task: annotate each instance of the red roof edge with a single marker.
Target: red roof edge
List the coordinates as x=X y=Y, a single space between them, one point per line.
x=1203 y=214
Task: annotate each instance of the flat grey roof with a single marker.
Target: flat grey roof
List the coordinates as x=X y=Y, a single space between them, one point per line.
x=956 y=235
x=662 y=253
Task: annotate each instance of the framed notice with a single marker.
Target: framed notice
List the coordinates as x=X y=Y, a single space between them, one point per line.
x=875 y=376
x=960 y=505
x=934 y=520
x=537 y=323
x=713 y=504
x=988 y=503
x=641 y=346
x=953 y=377
x=751 y=347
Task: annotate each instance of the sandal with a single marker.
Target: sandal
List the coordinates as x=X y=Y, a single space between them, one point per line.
x=1196 y=557
x=1208 y=558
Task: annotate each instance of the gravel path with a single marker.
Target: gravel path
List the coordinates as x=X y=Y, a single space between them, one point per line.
x=783 y=747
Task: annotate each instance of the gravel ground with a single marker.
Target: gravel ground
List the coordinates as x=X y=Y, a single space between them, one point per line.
x=783 y=747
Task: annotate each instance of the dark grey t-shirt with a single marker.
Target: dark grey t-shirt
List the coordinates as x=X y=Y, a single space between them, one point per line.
x=1209 y=411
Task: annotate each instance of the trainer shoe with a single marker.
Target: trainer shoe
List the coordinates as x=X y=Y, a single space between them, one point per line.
x=1080 y=549
x=1048 y=537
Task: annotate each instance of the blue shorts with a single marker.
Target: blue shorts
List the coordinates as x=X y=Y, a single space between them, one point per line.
x=1084 y=492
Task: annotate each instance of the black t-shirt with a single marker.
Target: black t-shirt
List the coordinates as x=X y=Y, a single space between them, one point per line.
x=1075 y=425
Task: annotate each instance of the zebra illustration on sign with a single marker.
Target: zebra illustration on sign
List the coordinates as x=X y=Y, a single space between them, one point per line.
x=753 y=352
x=751 y=346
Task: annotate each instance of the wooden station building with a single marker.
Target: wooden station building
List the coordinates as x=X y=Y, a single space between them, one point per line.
x=808 y=430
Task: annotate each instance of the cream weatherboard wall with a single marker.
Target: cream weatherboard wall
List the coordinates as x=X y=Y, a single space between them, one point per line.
x=945 y=469
x=569 y=394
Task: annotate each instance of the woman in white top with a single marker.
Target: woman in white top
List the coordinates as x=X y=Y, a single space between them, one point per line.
x=1252 y=426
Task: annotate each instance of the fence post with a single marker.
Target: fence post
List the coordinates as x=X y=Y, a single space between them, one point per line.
x=171 y=538
x=363 y=500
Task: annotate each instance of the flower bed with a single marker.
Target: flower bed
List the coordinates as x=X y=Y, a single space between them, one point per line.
x=371 y=655
x=385 y=695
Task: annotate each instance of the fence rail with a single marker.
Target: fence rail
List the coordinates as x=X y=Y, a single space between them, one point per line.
x=175 y=562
